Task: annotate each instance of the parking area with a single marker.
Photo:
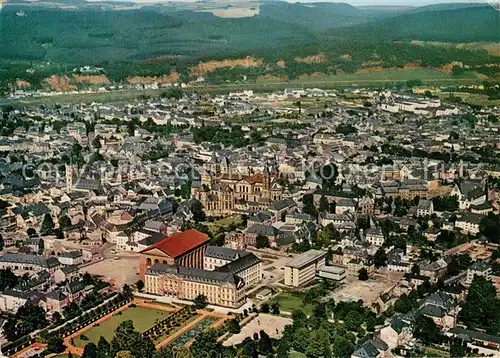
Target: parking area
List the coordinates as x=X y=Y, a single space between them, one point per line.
x=272 y=325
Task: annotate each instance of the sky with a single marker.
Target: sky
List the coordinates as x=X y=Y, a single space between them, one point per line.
x=408 y=2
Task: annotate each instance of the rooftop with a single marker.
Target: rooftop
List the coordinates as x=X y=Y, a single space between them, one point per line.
x=180 y=243
x=306 y=258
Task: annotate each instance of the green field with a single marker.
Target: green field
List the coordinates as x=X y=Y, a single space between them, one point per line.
x=142 y=317
x=372 y=79
x=472 y=98
x=290 y=301
x=225 y=222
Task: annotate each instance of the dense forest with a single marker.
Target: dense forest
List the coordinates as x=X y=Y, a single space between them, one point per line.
x=155 y=40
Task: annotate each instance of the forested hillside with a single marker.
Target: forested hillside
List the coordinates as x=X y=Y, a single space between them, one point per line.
x=285 y=40
x=462 y=24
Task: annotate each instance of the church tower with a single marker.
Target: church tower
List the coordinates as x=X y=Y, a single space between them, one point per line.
x=69 y=177
x=267 y=177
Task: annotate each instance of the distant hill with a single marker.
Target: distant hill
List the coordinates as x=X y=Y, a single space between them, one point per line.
x=316 y=15
x=463 y=24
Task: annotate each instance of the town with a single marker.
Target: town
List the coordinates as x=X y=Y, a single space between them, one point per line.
x=295 y=223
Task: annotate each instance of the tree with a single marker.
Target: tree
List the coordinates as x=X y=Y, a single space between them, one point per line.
x=233 y=326
x=47 y=225
x=283 y=349
x=127 y=291
x=31 y=232
x=380 y=258
x=353 y=320
x=64 y=222
x=90 y=351
x=56 y=317
x=490 y=227
x=172 y=92
x=249 y=348
x=124 y=354
x=126 y=338
x=1 y=243
x=27 y=319
x=198 y=211
x=55 y=344
x=8 y=279
x=301 y=339
x=319 y=311
x=481 y=308
x=275 y=308
x=140 y=285
x=308 y=201
x=299 y=318
x=103 y=347
x=324 y=204
x=265 y=343
x=200 y=301
x=342 y=347
x=325 y=237
x=415 y=269
x=261 y=241
x=426 y=330
x=264 y=308
x=363 y=274
x=458 y=348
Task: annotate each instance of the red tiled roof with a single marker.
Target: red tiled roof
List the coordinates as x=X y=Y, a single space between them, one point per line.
x=180 y=243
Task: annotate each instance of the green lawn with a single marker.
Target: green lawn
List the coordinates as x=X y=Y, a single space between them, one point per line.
x=472 y=98
x=142 y=317
x=224 y=222
x=296 y=355
x=290 y=301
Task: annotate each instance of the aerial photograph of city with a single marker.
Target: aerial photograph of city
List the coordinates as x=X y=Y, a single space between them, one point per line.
x=249 y=178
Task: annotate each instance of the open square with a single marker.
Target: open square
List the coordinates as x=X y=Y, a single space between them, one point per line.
x=272 y=325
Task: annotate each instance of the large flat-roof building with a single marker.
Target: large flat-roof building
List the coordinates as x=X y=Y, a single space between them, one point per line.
x=302 y=269
x=336 y=273
x=185 y=249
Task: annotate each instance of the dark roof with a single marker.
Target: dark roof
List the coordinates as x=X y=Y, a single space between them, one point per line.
x=367 y=350
x=56 y=295
x=153 y=238
x=71 y=254
x=223 y=253
x=475 y=335
x=69 y=269
x=194 y=274
x=242 y=263
x=265 y=230
x=37 y=260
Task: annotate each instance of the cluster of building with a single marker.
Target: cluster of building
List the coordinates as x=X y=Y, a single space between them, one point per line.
x=184 y=266
x=136 y=176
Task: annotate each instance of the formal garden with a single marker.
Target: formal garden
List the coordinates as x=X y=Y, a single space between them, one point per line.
x=142 y=317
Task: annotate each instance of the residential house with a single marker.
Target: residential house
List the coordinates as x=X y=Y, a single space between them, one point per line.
x=375 y=236
x=70 y=258
x=66 y=273
x=434 y=270
x=469 y=193
x=478 y=268
x=400 y=331
x=374 y=348
x=425 y=207
x=442 y=308
x=468 y=223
